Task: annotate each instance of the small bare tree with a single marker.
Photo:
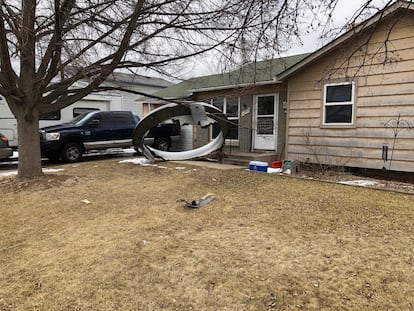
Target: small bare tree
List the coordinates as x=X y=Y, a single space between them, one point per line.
x=47 y=47
x=319 y=155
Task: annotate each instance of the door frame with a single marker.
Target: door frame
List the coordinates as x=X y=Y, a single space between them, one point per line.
x=258 y=141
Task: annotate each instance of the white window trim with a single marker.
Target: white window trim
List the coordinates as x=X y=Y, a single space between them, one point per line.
x=352 y=103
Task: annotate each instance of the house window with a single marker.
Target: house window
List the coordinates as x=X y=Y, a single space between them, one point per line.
x=51 y=116
x=230 y=107
x=339 y=104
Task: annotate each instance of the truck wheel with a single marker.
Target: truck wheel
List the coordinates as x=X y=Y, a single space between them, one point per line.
x=162 y=143
x=71 y=152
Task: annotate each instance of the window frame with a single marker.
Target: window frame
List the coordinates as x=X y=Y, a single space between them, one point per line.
x=340 y=103
x=230 y=118
x=52 y=116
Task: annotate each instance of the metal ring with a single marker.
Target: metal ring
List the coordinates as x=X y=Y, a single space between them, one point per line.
x=207 y=116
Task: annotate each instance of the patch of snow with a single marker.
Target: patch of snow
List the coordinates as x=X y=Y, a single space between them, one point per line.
x=140 y=161
x=52 y=170
x=180 y=167
x=361 y=183
x=45 y=170
x=10 y=173
x=143 y=161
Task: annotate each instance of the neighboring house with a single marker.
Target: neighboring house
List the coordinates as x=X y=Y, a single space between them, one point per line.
x=255 y=104
x=137 y=83
x=346 y=100
x=105 y=100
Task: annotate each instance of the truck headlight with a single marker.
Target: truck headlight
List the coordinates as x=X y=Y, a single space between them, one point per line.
x=52 y=136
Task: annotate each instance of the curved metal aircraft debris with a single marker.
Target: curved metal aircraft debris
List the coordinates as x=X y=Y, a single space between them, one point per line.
x=197 y=113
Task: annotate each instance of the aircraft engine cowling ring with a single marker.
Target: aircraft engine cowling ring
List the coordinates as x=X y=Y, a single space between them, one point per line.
x=201 y=114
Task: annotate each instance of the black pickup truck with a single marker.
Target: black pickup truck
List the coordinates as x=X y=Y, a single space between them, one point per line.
x=100 y=130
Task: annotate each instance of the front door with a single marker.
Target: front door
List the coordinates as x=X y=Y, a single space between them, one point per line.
x=265 y=122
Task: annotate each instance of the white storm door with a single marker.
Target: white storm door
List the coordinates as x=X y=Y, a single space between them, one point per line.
x=265 y=122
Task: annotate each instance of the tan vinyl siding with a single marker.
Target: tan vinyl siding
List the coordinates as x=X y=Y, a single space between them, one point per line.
x=384 y=89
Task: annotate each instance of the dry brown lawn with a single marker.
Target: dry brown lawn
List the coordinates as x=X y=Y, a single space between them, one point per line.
x=265 y=243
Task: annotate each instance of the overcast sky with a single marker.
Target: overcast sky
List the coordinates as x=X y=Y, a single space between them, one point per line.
x=344 y=13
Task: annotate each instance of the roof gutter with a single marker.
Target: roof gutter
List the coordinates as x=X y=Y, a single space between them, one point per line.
x=234 y=86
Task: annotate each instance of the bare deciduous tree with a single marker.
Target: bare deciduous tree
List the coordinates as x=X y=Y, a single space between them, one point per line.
x=47 y=47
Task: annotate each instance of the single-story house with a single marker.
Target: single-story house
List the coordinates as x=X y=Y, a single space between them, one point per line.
x=350 y=103
x=255 y=104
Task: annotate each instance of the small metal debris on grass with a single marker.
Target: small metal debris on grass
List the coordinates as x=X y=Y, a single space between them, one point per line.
x=199 y=202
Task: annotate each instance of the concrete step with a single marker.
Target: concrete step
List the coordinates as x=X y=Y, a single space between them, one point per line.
x=244 y=158
x=234 y=161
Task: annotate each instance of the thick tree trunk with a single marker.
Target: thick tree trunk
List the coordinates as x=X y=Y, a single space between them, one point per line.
x=30 y=164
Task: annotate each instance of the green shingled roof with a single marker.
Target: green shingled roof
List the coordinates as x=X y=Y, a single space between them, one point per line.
x=252 y=73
